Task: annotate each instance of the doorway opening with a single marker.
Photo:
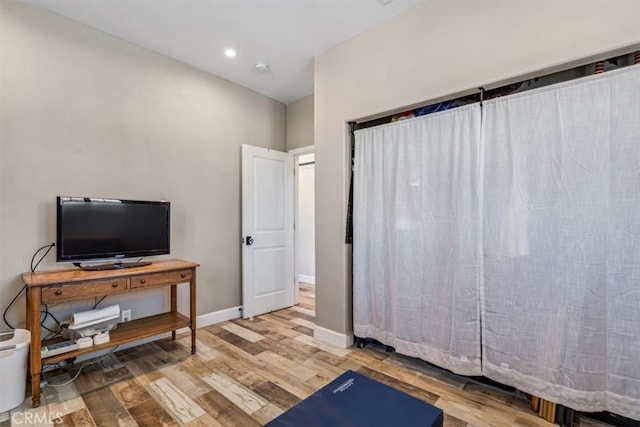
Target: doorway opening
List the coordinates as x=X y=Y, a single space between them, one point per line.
x=304 y=229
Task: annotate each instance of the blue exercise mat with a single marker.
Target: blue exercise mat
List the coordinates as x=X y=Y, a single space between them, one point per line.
x=353 y=399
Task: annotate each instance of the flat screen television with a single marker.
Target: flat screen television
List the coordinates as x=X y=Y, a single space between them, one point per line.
x=90 y=229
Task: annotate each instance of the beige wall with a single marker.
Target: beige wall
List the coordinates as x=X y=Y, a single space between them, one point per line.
x=442 y=48
x=83 y=113
x=300 y=123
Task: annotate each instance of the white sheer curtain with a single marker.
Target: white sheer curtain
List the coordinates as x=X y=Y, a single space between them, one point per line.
x=561 y=233
x=415 y=237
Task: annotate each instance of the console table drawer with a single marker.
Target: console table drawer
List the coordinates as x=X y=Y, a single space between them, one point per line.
x=83 y=290
x=161 y=279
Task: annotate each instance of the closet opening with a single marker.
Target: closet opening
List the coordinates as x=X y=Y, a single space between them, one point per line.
x=613 y=63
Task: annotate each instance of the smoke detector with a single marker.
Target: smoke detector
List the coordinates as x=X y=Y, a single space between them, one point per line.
x=262 y=67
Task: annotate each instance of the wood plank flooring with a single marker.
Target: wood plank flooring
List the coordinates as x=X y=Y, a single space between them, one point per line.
x=248 y=372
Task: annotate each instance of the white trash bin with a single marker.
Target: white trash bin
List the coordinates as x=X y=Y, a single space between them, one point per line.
x=14 y=351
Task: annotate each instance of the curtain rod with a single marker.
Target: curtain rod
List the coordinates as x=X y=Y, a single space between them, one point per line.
x=484 y=94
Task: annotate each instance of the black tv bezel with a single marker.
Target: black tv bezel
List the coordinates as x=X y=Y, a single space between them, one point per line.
x=111 y=255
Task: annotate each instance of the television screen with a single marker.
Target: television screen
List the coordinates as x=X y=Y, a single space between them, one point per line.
x=92 y=228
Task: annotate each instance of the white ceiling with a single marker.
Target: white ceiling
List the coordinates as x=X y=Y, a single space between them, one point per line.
x=286 y=34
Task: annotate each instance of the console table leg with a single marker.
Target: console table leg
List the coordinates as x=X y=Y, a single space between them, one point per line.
x=35 y=389
x=174 y=306
x=192 y=314
x=34 y=300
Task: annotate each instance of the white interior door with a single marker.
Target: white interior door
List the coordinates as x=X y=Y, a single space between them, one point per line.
x=267 y=230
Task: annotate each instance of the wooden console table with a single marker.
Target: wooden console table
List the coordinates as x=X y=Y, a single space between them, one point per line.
x=57 y=286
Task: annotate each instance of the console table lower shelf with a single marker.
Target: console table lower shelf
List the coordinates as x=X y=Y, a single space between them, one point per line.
x=127 y=332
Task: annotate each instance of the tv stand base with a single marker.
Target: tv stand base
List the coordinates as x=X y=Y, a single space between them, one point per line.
x=112 y=265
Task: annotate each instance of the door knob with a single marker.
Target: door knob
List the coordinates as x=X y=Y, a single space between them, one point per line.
x=249 y=240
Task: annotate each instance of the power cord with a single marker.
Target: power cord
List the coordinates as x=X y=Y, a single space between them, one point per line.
x=49 y=246
x=82 y=367
x=47 y=314
x=6 y=310
x=42 y=323
x=98 y=302
x=33 y=268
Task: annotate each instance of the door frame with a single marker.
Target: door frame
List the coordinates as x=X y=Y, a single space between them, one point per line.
x=297 y=152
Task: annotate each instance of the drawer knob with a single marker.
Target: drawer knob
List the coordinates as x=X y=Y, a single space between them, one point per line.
x=143 y=281
x=183 y=275
x=114 y=285
x=58 y=292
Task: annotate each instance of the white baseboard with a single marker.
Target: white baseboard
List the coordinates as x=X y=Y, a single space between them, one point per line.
x=215 y=317
x=307 y=279
x=219 y=316
x=333 y=337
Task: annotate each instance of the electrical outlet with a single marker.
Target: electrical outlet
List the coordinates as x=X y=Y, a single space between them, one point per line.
x=126 y=315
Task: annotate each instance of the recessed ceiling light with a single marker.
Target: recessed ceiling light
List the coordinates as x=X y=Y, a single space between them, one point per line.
x=230 y=53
